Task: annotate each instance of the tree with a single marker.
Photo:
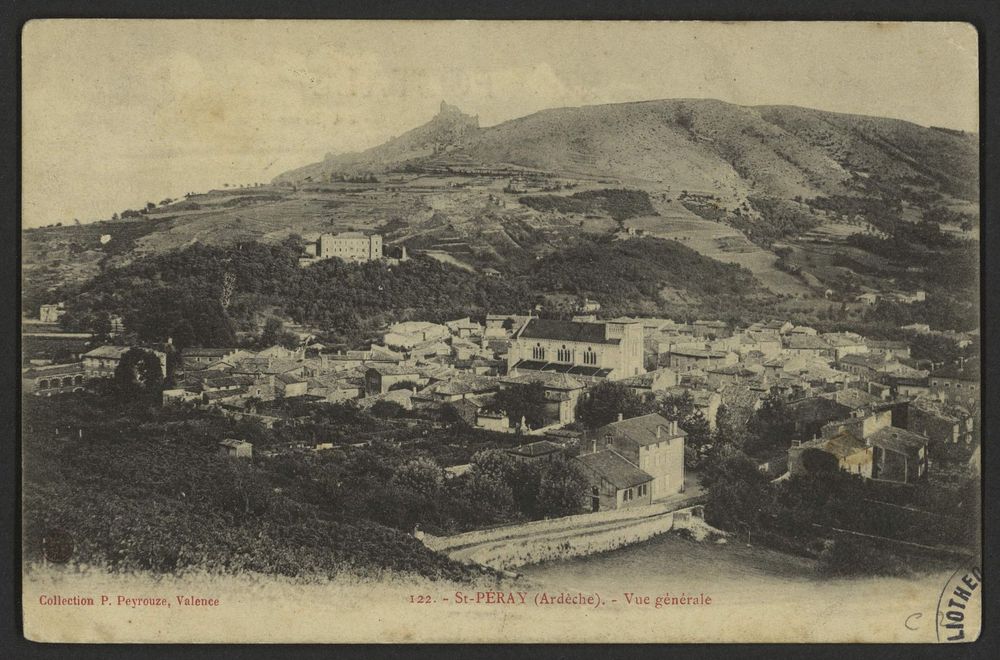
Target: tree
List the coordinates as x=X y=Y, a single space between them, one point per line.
x=494 y=463
x=139 y=373
x=770 y=427
x=182 y=334
x=521 y=478
x=386 y=409
x=269 y=334
x=523 y=400
x=562 y=489
x=738 y=493
x=681 y=409
x=421 y=475
x=481 y=499
x=606 y=401
x=817 y=460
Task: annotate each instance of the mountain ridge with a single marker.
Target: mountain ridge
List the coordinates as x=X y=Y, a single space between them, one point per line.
x=698 y=144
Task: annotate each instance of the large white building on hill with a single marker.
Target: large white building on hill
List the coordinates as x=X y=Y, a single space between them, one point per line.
x=352 y=246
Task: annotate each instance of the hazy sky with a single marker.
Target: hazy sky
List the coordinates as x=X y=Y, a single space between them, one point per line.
x=117 y=113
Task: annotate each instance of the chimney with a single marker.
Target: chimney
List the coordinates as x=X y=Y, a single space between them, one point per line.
x=658 y=429
x=673 y=427
x=593 y=446
x=620 y=417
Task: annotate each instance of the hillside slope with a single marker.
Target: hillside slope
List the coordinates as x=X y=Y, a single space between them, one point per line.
x=449 y=127
x=692 y=144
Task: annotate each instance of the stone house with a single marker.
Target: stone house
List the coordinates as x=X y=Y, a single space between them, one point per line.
x=850 y=452
x=490 y=421
x=291 y=385
x=807 y=345
x=899 y=455
x=562 y=393
x=649 y=383
x=710 y=329
x=103 y=360
x=380 y=378
x=53 y=379
x=688 y=359
x=615 y=482
x=959 y=383
x=652 y=444
x=51 y=313
x=236 y=448
x=199 y=358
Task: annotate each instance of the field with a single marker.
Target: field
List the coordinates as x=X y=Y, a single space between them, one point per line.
x=720 y=241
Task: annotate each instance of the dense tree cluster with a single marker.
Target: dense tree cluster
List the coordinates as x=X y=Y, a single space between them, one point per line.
x=619 y=203
x=184 y=294
x=521 y=401
x=624 y=274
x=803 y=514
x=177 y=502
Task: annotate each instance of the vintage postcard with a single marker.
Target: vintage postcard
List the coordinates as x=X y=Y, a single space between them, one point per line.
x=460 y=331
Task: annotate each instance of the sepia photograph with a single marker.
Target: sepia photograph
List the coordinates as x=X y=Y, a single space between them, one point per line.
x=352 y=331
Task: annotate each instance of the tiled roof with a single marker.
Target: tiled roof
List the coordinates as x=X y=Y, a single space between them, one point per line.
x=225 y=394
x=108 y=352
x=207 y=352
x=852 y=397
x=642 y=429
x=592 y=333
x=550 y=380
x=393 y=370
x=538 y=448
x=226 y=380
x=464 y=384
x=53 y=370
x=841 y=445
x=886 y=344
x=870 y=360
x=807 y=342
x=897 y=439
x=578 y=370
x=815 y=409
x=611 y=466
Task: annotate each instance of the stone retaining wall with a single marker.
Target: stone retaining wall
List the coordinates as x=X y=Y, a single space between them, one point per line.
x=505 y=555
x=445 y=543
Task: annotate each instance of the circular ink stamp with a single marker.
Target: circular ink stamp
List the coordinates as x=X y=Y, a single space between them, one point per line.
x=57 y=546
x=959 y=610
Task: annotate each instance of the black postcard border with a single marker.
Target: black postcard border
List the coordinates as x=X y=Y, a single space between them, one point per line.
x=982 y=14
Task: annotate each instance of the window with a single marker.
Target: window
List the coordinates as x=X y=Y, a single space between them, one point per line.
x=564 y=355
x=643 y=489
x=538 y=352
x=627 y=495
x=589 y=356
